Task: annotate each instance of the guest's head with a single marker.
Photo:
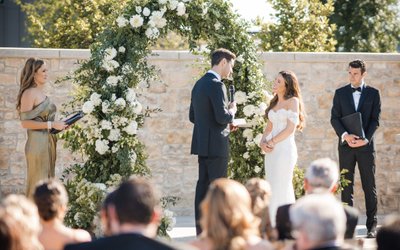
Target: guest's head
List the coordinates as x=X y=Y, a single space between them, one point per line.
x=287 y=86
x=222 y=61
x=33 y=74
x=19 y=217
x=11 y=237
x=321 y=175
x=51 y=199
x=134 y=204
x=227 y=219
x=105 y=221
x=388 y=236
x=357 y=72
x=317 y=219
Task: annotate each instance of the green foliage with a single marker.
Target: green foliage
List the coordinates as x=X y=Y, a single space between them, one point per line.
x=366 y=26
x=105 y=89
x=302 y=25
x=167 y=221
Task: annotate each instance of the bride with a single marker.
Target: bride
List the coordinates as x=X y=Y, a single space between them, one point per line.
x=285 y=115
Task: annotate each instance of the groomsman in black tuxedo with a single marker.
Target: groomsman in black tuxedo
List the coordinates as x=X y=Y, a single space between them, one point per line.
x=358 y=97
x=211 y=113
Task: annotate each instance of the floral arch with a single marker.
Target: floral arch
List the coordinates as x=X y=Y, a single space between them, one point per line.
x=105 y=91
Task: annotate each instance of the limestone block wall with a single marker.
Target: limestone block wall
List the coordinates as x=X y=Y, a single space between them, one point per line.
x=167 y=134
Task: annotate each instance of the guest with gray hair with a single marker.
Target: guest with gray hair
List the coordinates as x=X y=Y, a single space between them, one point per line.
x=319 y=222
x=321 y=177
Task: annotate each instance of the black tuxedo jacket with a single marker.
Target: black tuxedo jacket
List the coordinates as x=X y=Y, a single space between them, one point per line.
x=284 y=226
x=126 y=242
x=210 y=116
x=369 y=106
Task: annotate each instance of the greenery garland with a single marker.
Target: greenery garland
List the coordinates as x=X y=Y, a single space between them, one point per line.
x=106 y=90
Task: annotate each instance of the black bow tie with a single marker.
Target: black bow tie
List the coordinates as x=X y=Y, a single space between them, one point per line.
x=356 y=89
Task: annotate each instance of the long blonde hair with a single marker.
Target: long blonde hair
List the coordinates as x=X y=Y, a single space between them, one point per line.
x=292 y=90
x=27 y=80
x=227 y=220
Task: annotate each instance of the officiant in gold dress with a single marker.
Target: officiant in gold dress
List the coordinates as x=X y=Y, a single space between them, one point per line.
x=37 y=114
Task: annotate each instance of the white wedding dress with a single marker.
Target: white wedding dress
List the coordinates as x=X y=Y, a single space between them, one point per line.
x=280 y=162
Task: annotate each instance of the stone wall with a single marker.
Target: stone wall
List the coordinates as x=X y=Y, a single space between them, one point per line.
x=167 y=134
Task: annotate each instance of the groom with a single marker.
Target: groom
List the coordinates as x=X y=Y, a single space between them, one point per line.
x=211 y=114
x=358 y=97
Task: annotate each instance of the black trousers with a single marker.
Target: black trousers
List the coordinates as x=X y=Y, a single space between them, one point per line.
x=210 y=168
x=366 y=165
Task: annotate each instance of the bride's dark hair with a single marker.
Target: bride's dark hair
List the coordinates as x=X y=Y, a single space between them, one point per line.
x=292 y=90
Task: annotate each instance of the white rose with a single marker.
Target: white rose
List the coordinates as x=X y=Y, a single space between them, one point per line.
x=126 y=69
x=136 y=21
x=157 y=19
x=240 y=58
x=114 y=135
x=101 y=146
x=248 y=134
x=162 y=1
x=106 y=125
x=95 y=98
x=181 y=9
x=130 y=95
x=173 y=4
x=152 y=33
x=257 y=169
x=112 y=80
x=252 y=94
x=217 y=25
x=120 y=102
x=100 y=186
x=110 y=53
x=261 y=108
x=88 y=107
x=121 y=21
x=115 y=148
x=105 y=107
x=121 y=49
x=246 y=155
x=248 y=110
x=137 y=107
x=138 y=9
x=131 y=129
x=240 y=97
x=110 y=65
x=257 y=140
x=146 y=12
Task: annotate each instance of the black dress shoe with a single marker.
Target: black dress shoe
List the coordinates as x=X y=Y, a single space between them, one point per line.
x=371 y=234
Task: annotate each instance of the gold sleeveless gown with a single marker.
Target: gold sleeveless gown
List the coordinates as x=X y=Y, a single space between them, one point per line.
x=40 y=148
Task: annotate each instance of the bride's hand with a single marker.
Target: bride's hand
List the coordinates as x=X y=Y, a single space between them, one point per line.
x=265 y=148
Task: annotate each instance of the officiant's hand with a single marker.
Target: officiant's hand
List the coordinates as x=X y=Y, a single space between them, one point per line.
x=350 y=139
x=59 y=125
x=232 y=128
x=359 y=143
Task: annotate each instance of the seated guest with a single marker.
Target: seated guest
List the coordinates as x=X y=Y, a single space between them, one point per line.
x=51 y=200
x=260 y=192
x=19 y=224
x=132 y=215
x=321 y=176
x=388 y=236
x=227 y=220
x=318 y=222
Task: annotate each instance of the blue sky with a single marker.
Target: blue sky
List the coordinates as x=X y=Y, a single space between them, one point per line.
x=250 y=9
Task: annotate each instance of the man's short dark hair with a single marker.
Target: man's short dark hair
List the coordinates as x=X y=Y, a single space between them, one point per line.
x=220 y=54
x=358 y=64
x=388 y=236
x=135 y=201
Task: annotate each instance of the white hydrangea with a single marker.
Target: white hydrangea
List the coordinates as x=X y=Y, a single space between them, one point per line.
x=110 y=53
x=251 y=94
x=217 y=25
x=138 y=9
x=249 y=110
x=181 y=9
x=113 y=80
x=121 y=21
x=114 y=135
x=248 y=134
x=101 y=146
x=130 y=95
x=105 y=107
x=240 y=97
x=246 y=155
x=152 y=33
x=136 y=21
x=157 y=19
x=257 y=140
x=120 y=102
x=106 y=125
x=121 y=49
x=88 y=107
x=95 y=99
x=131 y=129
x=173 y=4
x=146 y=12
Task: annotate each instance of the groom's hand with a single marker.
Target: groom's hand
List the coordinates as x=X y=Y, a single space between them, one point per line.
x=232 y=128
